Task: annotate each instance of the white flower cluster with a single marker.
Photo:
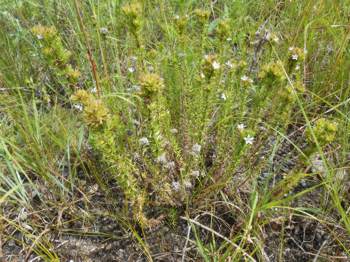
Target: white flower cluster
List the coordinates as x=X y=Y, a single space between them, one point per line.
x=246 y=80
x=196 y=149
x=249 y=140
x=143 y=141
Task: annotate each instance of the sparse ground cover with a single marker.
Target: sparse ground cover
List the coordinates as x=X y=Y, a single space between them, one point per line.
x=182 y=130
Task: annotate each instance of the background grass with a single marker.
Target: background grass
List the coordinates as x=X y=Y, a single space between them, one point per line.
x=50 y=160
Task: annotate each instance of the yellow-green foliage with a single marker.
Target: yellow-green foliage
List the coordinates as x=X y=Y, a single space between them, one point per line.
x=222 y=30
x=202 y=15
x=287 y=96
x=82 y=96
x=181 y=22
x=151 y=85
x=288 y=183
x=272 y=73
x=106 y=139
x=55 y=54
x=133 y=18
x=164 y=145
x=95 y=112
x=325 y=131
x=210 y=65
x=72 y=74
x=133 y=14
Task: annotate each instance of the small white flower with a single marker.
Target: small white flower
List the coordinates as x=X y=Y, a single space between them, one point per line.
x=94 y=90
x=297 y=67
x=150 y=68
x=229 y=39
x=143 y=141
x=26 y=226
x=195 y=173
x=104 y=30
x=174 y=131
x=23 y=215
x=275 y=39
x=176 y=185
x=341 y=174
x=291 y=48
x=79 y=107
x=317 y=165
x=164 y=142
x=133 y=58
x=187 y=184
x=241 y=127
x=303 y=183
x=196 y=149
x=202 y=75
x=177 y=17
x=158 y=136
x=223 y=97
x=229 y=64
x=246 y=79
x=161 y=159
x=131 y=69
x=249 y=140
x=268 y=36
x=133 y=89
x=136 y=88
x=170 y=165
x=40 y=37
x=136 y=123
x=93 y=188
x=216 y=65
x=295 y=57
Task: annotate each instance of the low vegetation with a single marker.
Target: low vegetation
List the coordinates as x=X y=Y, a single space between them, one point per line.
x=174 y=130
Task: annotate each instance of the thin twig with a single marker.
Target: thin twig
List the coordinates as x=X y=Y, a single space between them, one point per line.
x=261 y=38
x=185 y=246
x=29 y=252
x=319 y=251
x=89 y=52
x=219 y=235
